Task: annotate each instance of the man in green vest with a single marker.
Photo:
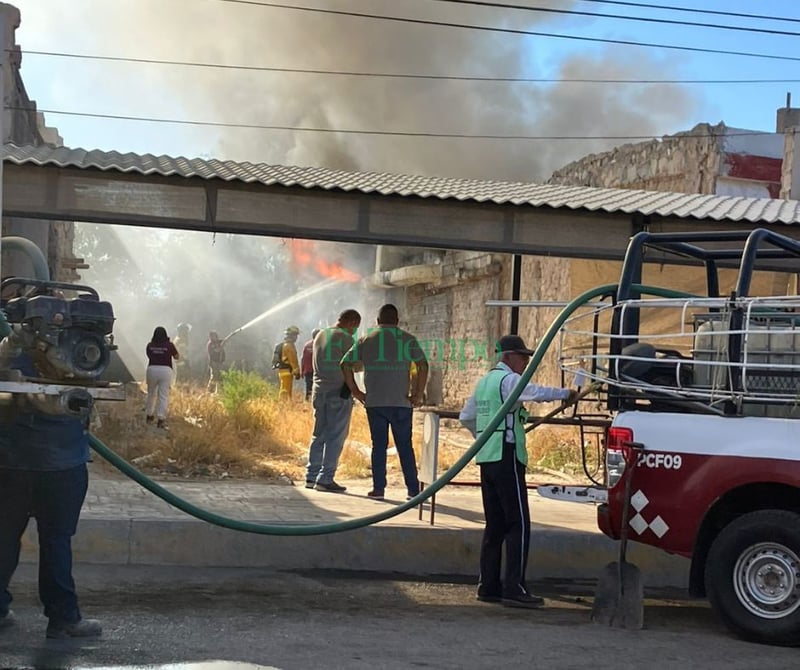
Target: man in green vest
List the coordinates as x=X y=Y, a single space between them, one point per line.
x=502 y=462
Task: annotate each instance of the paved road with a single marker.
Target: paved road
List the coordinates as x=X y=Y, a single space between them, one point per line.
x=326 y=620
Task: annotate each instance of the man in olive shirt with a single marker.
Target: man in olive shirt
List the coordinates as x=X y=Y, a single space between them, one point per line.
x=386 y=354
x=332 y=407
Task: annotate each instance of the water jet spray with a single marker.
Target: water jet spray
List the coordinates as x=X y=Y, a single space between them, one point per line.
x=305 y=293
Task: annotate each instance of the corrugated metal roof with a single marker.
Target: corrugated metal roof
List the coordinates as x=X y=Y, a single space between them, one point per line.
x=658 y=203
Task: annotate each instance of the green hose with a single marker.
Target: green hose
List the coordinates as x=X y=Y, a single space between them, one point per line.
x=323 y=529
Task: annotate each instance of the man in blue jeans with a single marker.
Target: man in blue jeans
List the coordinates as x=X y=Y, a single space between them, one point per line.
x=332 y=407
x=43 y=475
x=386 y=354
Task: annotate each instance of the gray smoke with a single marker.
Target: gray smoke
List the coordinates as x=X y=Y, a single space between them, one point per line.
x=163 y=278
x=173 y=277
x=242 y=34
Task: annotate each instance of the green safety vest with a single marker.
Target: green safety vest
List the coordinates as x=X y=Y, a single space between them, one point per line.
x=488 y=399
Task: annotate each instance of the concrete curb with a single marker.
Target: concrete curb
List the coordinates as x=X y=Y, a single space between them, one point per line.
x=424 y=550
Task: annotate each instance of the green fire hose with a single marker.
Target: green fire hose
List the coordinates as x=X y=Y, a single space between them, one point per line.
x=340 y=526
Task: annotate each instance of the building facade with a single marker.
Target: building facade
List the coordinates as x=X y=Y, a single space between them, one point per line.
x=23 y=125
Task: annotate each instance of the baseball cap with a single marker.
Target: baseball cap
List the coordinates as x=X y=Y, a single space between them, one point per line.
x=513 y=343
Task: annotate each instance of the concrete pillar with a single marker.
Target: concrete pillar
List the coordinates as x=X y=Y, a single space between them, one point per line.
x=787 y=117
x=790 y=169
x=9 y=21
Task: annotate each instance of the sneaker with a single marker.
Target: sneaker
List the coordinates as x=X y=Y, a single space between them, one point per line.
x=375 y=495
x=310 y=483
x=7 y=620
x=523 y=600
x=149 y=418
x=330 y=487
x=162 y=424
x=59 y=630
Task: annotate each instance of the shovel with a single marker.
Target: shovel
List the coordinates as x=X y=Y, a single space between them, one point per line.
x=619 y=598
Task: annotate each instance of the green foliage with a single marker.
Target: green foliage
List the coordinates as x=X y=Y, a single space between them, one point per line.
x=239 y=386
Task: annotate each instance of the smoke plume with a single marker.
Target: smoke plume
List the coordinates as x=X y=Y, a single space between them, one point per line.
x=248 y=34
x=219 y=284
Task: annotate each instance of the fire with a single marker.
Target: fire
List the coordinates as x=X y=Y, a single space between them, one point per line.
x=306 y=254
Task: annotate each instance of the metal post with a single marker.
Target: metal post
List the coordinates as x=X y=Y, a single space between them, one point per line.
x=5 y=59
x=516 y=281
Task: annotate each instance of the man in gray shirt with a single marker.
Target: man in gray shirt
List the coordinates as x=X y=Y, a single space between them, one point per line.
x=387 y=354
x=331 y=401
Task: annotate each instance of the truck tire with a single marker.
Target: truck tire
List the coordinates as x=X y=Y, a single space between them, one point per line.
x=752 y=576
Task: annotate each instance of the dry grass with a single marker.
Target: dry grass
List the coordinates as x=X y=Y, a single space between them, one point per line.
x=265 y=438
x=261 y=437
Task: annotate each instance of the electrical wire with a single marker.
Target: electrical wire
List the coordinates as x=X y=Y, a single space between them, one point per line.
x=400 y=75
x=515 y=31
x=387 y=133
x=621 y=17
x=693 y=10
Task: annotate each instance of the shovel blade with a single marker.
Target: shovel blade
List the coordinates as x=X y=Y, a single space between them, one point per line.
x=620 y=605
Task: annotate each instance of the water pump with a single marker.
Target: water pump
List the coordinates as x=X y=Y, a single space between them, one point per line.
x=67 y=339
x=54 y=349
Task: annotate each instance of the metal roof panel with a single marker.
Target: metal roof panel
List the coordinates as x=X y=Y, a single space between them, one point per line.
x=520 y=194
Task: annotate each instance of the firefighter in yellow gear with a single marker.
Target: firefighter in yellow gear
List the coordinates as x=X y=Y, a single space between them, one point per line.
x=289 y=365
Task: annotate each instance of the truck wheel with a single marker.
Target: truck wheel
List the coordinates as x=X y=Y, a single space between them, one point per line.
x=753 y=576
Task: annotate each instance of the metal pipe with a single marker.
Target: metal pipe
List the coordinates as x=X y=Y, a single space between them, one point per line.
x=40 y=268
x=538 y=303
x=516 y=282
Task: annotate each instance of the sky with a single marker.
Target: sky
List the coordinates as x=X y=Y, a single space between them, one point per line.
x=172 y=276
x=236 y=33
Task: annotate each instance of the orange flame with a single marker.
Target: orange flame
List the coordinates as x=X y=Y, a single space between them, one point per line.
x=306 y=255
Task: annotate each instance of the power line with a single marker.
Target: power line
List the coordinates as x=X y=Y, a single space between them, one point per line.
x=387 y=133
x=512 y=31
x=692 y=10
x=400 y=75
x=621 y=17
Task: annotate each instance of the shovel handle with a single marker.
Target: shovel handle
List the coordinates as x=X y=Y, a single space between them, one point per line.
x=540 y=420
x=630 y=466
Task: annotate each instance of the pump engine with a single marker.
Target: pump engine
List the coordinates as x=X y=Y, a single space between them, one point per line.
x=68 y=339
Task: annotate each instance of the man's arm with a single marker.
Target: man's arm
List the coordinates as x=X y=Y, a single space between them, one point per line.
x=350 y=379
x=291 y=359
x=468 y=415
x=420 y=379
x=534 y=392
x=348 y=365
x=417 y=356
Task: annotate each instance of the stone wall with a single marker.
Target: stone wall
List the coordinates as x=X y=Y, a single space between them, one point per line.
x=458 y=330
x=454 y=325
x=686 y=162
x=544 y=279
